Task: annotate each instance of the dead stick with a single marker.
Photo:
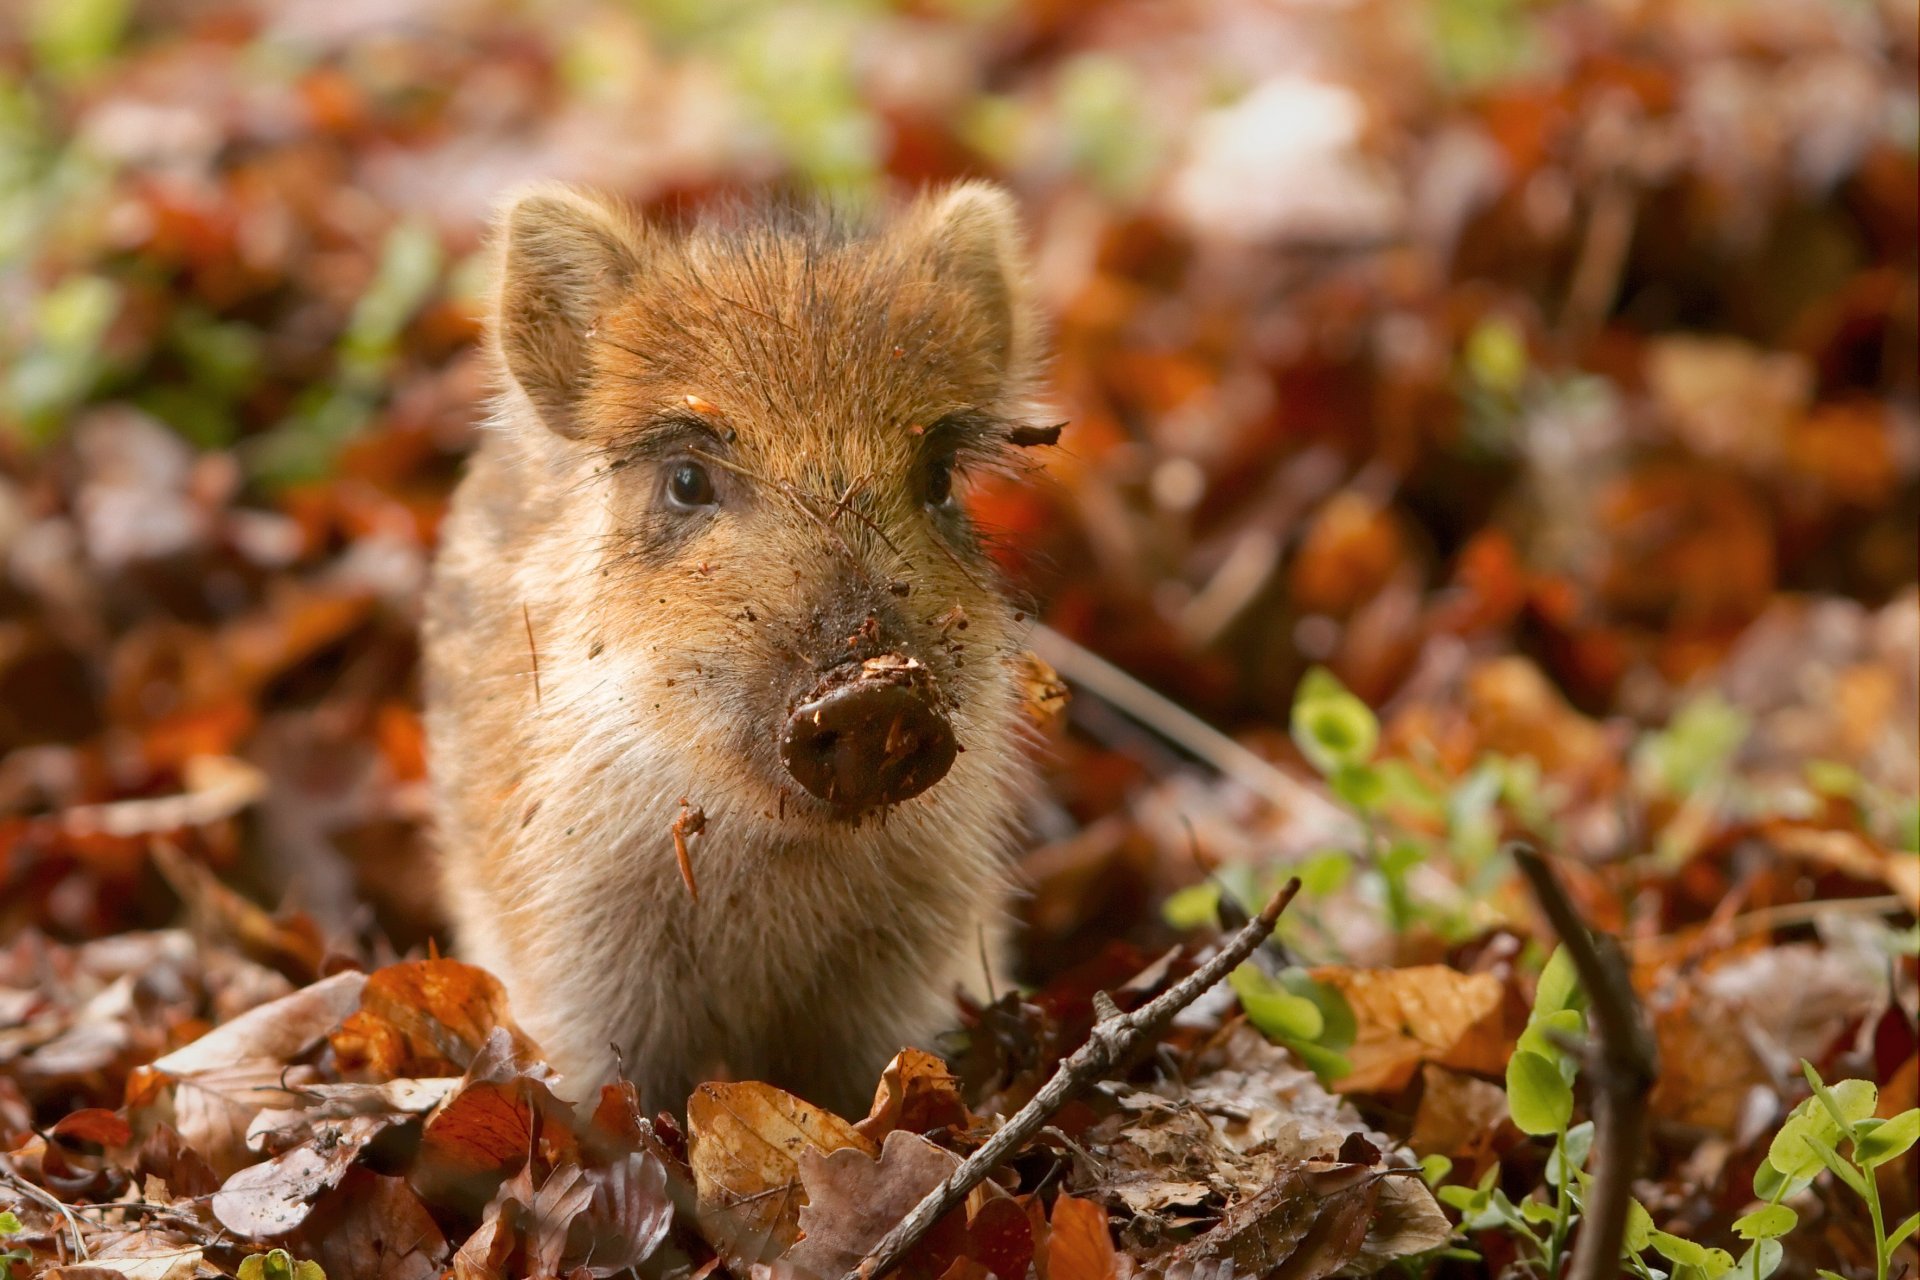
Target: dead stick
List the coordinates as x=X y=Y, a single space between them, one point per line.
x=1110 y=1041
x=1624 y=1068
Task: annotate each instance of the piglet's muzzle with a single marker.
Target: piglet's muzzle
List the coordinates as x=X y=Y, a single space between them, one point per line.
x=869 y=735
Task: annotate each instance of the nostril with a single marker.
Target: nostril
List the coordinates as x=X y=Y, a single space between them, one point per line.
x=869 y=735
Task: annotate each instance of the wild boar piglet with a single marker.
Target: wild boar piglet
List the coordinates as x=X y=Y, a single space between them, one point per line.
x=708 y=595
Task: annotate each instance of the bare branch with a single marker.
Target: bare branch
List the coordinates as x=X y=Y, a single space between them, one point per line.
x=1112 y=1039
x=1623 y=1066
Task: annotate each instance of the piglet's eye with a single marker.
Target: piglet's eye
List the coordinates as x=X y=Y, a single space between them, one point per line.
x=689 y=486
x=940 y=482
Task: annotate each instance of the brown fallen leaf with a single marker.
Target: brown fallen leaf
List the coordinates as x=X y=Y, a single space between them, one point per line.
x=373 y=1227
x=1424 y=1013
x=627 y=1217
x=272 y=1198
x=916 y=1093
x=744 y=1143
x=422 y=1016
x=481 y=1133
x=1307 y=1225
x=1460 y=1117
x=211 y=1089
x=1079 y=1245
x=853 y=1200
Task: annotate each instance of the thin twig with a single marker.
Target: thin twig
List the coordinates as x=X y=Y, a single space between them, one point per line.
x=19 y=1182
x=1089 y=671
x=1623 y=1064
x=1112 y=1039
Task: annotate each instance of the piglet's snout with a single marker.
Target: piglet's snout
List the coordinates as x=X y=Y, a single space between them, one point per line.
x=869 y=735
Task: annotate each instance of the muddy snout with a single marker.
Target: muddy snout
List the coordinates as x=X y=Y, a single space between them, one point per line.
x=869 y=735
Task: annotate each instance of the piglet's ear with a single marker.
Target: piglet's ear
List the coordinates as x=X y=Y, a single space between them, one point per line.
x=566 y=258
x=971 y=233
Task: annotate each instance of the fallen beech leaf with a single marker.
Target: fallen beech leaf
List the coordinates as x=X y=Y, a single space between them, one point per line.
x=852 y=1200
x=213 y=1108
x=1424 y=1013
x=281 y=1030
x=140 y=1255
x=94 y=1125
x=1309 y=1224
x=1460 y=1116
x=744 y=1143
x=1000 y=1237
x=339 y=1101
x=442 y=1009
x=627 y=1218
x=1079 y=1246
x=562 y=1197
x=374 y=1228
x=273 y=1198
x=916 y=1093
x=481 y=1133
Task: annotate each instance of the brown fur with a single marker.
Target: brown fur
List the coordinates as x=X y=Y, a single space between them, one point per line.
x=829 y=364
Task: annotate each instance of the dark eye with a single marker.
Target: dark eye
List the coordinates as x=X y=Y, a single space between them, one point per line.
x=689 y=486
x=940 y=482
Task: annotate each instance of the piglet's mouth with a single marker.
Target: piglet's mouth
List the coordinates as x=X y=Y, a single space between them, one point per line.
x=869 y=735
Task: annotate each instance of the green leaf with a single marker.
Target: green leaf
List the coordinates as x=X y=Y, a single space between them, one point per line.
x=1570 y=1152
x=1539 y=1212
x=1496 y=355
x=1277 y=1012
x=1435 y=1168
x=9 y=1223
x=1195 y=907
x=1693 y=749
x=1326 y=1063
x=1762 y=1259
x=1770 y=1223
x=278 y=1264
x=1325 y=872
x=1358 y=786
x=1331 y=726
x=410 y=261
x=1889 y=1141
x=1791 y=1151
x=1709 y=1263
x=1559 y=986
x=1899 y=1234
x=1339 y=1026
x=1769 y=1183
x=1848 y=1102
x=1538 y=1097
x=73 y=37
x=1676 y=1250
x=1841 y=1169
x=1639 y=1226
x=1544 y=1036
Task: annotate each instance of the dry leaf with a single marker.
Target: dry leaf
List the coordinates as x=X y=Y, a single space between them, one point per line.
x=744 y=1143
x=1425 y=1013
x=852 y=1200
x=273 y=1198
x=1079 y=1245
x=916 y=1093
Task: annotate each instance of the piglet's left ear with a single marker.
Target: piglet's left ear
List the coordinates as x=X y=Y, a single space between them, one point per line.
x=971 y=234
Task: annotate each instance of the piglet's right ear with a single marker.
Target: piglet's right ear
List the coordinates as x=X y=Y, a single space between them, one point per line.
x=566 y=257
